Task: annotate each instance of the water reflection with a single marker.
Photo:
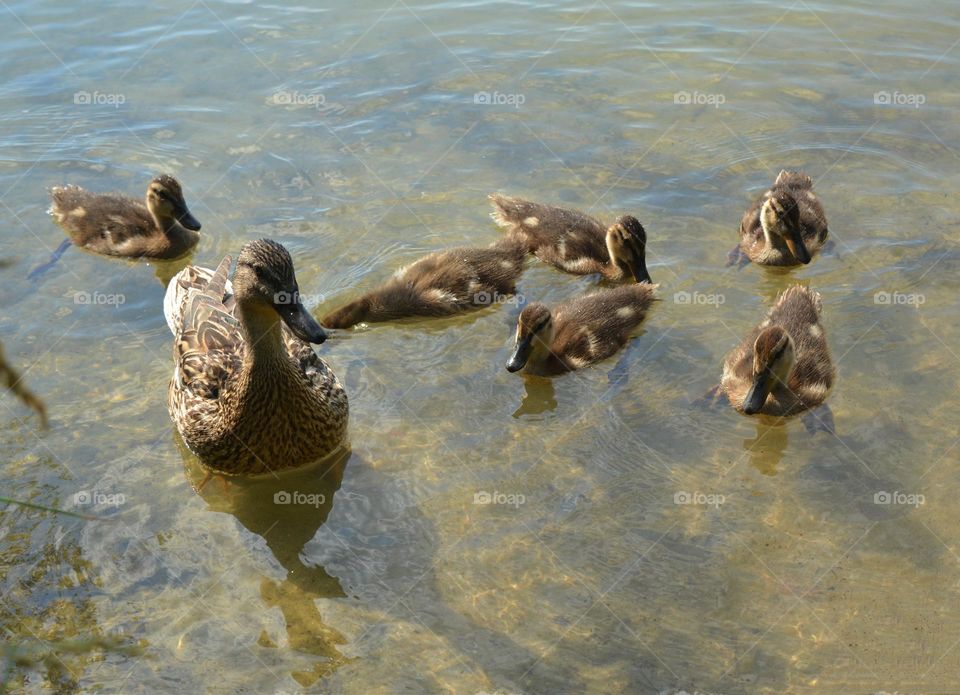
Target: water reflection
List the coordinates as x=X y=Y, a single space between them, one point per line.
x=538 y=397
x=766 y=449
x=286 y=511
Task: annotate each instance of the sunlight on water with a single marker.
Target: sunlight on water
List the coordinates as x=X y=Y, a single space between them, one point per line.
x=599 y=533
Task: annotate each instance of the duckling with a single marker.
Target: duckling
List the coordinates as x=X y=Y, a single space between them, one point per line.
x=249 y=395
x=439 y=284
x=786 y=226
x=575 y=242
x=580 y=332
x=114 y=224
x=783 y=366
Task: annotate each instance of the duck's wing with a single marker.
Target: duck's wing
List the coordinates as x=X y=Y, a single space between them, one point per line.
x=208 y=346
x=542 y=224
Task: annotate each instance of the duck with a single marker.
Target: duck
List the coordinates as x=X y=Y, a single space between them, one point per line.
x=249 y=395
x=114 y=224
x=580 y=332
x=786 y=226
x=573 y=241
x=782 y=366
x=440 y=284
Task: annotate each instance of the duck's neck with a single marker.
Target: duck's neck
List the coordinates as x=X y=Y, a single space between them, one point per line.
x=262 y=335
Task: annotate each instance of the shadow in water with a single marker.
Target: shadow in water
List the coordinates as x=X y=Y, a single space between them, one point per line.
x=286 y=511
x=538 y=398
x=766 y=449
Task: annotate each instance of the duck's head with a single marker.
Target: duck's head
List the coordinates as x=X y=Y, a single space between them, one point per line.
x=780 y=215
x=165 y=202
x=264 y=283
x=627 y=245
x=773 y=358
x=534 y=332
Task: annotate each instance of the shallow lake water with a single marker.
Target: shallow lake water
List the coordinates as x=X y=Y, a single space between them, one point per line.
x=633 y=542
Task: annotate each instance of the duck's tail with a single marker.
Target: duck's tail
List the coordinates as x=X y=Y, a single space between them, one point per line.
x=508 y=212
x=38 y=272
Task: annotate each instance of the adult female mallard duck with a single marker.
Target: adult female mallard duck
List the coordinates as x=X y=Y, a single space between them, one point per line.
x=579 y=332
x=783 y=365
x=249 y=394
x=785 y=226
x=440 y=284
x=114 y=224
x=575 y=242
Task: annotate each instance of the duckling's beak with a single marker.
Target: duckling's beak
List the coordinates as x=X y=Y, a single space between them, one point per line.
x=757 y=395
x=795 y=243
x=640 y=273
x=185 y=218
x=521 y=353
x=299 y=320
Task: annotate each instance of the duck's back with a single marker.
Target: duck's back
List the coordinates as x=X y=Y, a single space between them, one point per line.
x=101 y=222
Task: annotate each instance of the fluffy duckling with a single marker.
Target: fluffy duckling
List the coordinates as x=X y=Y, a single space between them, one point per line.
x=114 y=224
x=580 y=332
x=783 y=366
x=575 y=242
x=786 y=226
x=249 y=395
x=440 y=284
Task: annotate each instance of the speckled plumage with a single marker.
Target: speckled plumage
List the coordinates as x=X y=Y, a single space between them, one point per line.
x=439 y=284
x=582 y=331
x=794 y=188
x=797 y=312
x=575 y=242
x=114 y=224
x=247 y=395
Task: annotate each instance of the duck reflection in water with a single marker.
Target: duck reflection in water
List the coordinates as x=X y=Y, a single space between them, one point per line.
x=286 y=511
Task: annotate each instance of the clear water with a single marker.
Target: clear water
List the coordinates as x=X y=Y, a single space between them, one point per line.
x=375 y=152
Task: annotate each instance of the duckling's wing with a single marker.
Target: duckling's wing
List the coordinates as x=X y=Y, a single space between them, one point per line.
x=106 y=220
x=541 y=225
x=595 y=326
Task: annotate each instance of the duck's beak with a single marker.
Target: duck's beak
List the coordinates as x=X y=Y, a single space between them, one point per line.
x=185 y=218
x=795 y=243
x=757 y=395
x=521 y=353
x=640 y=273
x=299 y=320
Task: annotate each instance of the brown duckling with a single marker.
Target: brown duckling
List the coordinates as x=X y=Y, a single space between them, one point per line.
x=575 y=242
x=114 y=224
x=783 y=366
x=440 y=284
x=786 y=226
x=580 y=332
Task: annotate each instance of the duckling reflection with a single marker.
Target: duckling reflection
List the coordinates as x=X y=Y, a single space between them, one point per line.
x=766 y=449
x=286 y=511
x=538 y=398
